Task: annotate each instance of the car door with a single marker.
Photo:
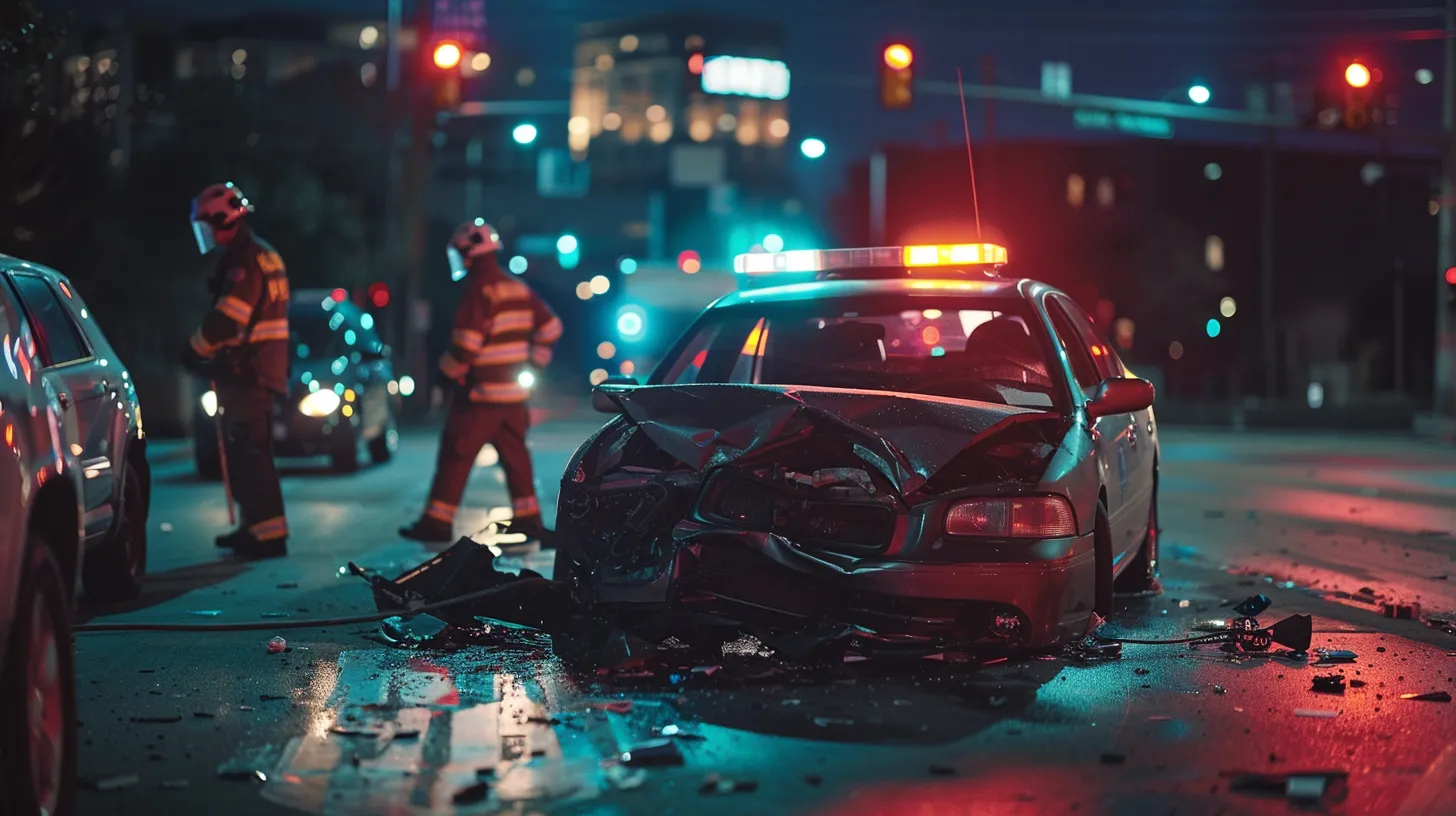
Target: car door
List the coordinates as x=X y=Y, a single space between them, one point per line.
x=1135 y=449
x=83 y=384
x=1109 y=434
x=375 y=372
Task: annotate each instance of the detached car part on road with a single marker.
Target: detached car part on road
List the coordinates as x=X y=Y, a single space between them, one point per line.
x=342 y=391
x=901 y=441
x=95 y=388
x=42 y=512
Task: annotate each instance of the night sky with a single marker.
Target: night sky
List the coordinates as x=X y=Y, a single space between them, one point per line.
x=1147 y=49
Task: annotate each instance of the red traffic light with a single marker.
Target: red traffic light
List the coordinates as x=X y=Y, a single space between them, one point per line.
x=339 y=295
x=689 y=261
x=1357 y=75
x=898 y=57
x=379 y=295
x=1451 y=276
x=448 y=55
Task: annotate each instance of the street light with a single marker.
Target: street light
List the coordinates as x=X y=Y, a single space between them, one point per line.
x=1199 y=94
x=524 y=134
x=812 y=148
x=898 y=57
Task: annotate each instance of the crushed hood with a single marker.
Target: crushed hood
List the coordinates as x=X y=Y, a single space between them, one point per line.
x=907 y=438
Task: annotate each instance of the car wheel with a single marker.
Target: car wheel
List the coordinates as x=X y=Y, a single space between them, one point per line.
x=382 y=447
x=1102 y=546
x=115 y=570
x=38 y=693
x=206 y=455
x=1141 y=575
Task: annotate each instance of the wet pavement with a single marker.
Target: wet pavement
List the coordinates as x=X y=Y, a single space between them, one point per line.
x=339 y=724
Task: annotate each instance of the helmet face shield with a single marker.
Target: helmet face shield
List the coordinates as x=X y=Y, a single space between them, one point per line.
x=206 y=238
x=458 y=268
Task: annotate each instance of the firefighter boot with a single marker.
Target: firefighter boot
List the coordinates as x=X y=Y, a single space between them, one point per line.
x=429 y=531
x=244 y=545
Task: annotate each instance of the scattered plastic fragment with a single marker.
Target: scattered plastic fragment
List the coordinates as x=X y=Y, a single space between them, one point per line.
x=274 y=615
x=653 y=753
x=1253 y=606
x=472 y=794
x=1300 y=786
x=1317 y=713
x=205 y=613
x=1336 y=655
x=1400 y=611
x=1217 y=689
x=161 y=718
x=267 y=698
x=116 y=783
x=676 y=731
x=716 y=785
x=624 y=778
x=1329 y=684
x=1089 y=650
x=1429 y=697
x=411 y=632
x=825 y=722
x=277 y=645
x=174 y=784
x=288 y=585
x=746 y=646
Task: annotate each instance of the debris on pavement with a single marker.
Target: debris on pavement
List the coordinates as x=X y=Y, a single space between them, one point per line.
x=250 y=766
x=658 y=752
x=205 y=613
x=288 y=585
x=676 y=731
x=825 y=722
x=1316 y=713
x=614 y=706
x=1336 y=655
x=1302 y=786
x=277 y=645
x=1253 y=606
x=165 y=527
x=746 y=646
x=158 y=718
x=413 y=632
x=1429 y=697
x=716 y=785
x=1400 y=611
x=1329 y=684
x=116 y=783
x=472 y=794
x=174 y=784
x=623 y=778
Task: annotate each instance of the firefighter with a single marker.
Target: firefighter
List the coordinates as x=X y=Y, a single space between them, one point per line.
x=502 y=329
x=243 y=347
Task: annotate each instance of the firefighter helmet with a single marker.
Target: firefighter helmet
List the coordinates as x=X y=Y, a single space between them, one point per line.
x=216 y=212
x=471 y=239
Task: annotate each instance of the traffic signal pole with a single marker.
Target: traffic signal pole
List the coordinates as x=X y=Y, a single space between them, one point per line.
x=415 y=205
x=1444 y=402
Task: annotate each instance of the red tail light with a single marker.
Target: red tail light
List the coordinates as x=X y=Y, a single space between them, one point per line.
x=1022 y=517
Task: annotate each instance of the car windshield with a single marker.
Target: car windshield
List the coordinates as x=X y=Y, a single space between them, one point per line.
x=317 y=334
x=985 y=349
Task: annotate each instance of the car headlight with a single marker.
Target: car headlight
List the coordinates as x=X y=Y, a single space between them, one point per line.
x=209 y=404
x=526 y=379
x=319 y=404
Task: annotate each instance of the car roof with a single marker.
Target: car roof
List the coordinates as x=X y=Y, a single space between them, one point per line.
x=10 y=263
x=816 y=290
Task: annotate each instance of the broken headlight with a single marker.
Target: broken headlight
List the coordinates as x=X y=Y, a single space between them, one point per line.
x=1017 y=517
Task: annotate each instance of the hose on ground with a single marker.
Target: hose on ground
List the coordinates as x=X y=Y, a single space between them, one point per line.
x=272 y=625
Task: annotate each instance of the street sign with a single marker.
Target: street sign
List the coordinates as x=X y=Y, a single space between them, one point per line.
x=1056 y=80
x=1152 y=127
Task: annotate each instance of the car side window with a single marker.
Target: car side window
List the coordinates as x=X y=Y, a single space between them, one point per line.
x=1103 y=357
x=1082 y=366
x=60 y=339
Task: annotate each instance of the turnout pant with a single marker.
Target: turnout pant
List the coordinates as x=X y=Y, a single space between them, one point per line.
x=469 y=427
x=247 y=420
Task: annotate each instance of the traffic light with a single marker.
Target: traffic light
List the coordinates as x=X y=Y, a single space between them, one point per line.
x=1451 y=287
x=444 y=79
x=568 y=251
x=1352 y=99
x=897 y=77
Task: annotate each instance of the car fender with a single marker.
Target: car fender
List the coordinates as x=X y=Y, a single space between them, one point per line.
x=1076 y=473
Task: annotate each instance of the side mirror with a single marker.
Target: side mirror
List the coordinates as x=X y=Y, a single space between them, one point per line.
x=1120 y=395
x=602 y=402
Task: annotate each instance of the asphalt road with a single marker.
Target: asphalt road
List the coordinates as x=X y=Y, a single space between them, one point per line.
x=1324 y=525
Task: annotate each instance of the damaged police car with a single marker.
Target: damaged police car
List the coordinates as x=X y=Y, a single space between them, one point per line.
x=898 y=441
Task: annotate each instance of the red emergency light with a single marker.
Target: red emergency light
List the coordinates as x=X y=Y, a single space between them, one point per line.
x=339 y=295
x=1451 y=276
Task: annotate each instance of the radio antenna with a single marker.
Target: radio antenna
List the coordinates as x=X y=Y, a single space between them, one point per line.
x=970 y=160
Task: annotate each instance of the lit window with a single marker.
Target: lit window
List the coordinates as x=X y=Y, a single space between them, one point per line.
x=579 y=124
x=748 y=133
x=629 y=43
x=368 y=37
x=604 y=62
x=526 y=77
x=778 y=128
x=612 y=121
x=1106 y=193
x=656 y=113
x=1213 y=253
x=727 y=123
x=700 y=130
x=1076 y=190
x=660 y=132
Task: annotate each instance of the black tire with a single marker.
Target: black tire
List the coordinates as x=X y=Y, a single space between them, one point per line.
x=345 y=456
x=382 y=447
x=116 y=570
x=206 y=455
x=1141 y=575
x=38 y=694
x=1102 y=545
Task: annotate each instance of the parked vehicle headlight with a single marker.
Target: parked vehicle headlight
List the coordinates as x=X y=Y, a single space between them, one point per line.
x=209 y=403
x=319 y=404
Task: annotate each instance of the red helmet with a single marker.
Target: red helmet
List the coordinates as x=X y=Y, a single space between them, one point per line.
x=216 y=212
x=471 y=239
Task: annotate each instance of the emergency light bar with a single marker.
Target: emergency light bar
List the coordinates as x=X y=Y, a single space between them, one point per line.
x=829 y=260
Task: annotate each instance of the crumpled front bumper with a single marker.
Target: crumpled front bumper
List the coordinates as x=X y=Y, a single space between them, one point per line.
x=762 y=578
